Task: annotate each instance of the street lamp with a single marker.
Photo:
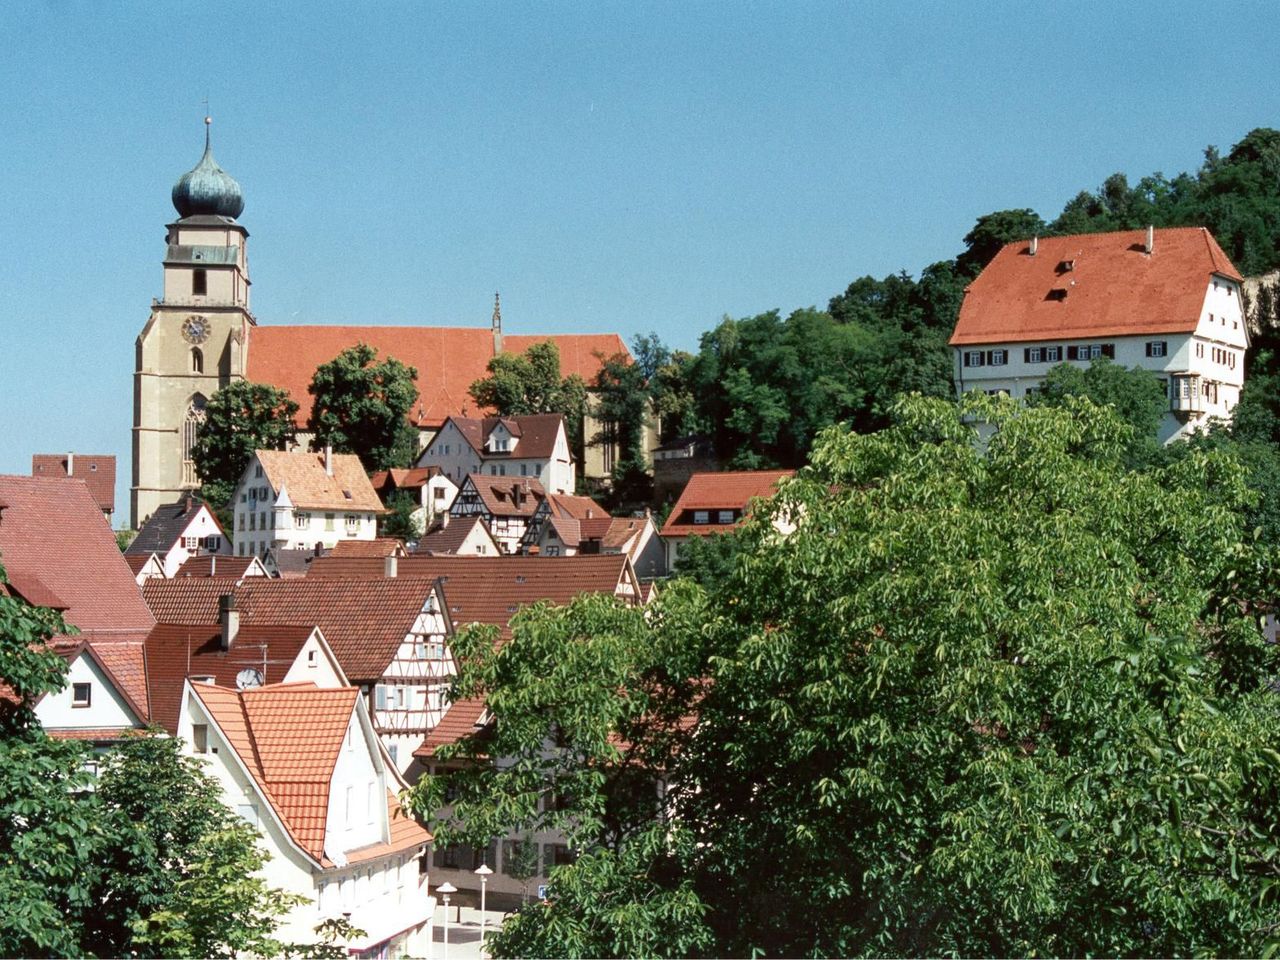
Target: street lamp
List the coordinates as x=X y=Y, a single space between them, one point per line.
x=444 y=890
x=483 y=872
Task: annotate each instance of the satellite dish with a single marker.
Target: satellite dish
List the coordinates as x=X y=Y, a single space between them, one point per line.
x=248 y=678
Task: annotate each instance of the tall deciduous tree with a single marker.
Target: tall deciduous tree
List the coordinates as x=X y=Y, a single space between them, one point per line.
x=530 y=382
x=240 y=418
x=985 y=700
x=361 y=406
x=1136 y=395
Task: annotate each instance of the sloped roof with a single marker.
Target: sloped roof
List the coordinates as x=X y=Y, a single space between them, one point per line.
x=460 y=720
x=178 y=651
x=387 y=482
x=166 y=525
x=137 y=561
x=185 y=600
x=450 y=537
x=55 y=543
x=98 y=471
x=730 y=490
x=302 y=474
x=536 y=433
x=364 y=621
x=507 y=496
x=580 y=508
x=213 y=565
x=1112 y=288
x=289 y=736
x=448 y=360
x=126 y=663
x=490 y=589
x=379 y=547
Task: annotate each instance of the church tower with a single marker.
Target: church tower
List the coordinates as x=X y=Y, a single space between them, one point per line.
x=196 y=337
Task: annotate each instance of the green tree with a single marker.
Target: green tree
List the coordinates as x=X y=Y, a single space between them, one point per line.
x=240 y=418
x=530 y=382
x=361 y=406
x=401 y=522
x=992 y=232
x=995 y=700
x=1137 y=396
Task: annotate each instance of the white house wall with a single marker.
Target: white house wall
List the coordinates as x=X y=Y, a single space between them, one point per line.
x=107 y=709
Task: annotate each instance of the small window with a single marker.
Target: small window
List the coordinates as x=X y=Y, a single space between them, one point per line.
x=1052 y=354
x=328 y=521
x=311 y=658
x=199 y=283
x=701 y=516
x=973 y=358
x=81 y=694
x=1034 y=355
x=393 y=750
x=200 y=737
x=197 y=360
x=1157 y=348
x=724 y=516
x=997 y=358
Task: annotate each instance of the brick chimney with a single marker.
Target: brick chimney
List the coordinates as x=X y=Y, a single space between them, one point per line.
x=229 y=617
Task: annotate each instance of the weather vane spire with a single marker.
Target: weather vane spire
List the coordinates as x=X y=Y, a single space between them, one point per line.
x=208 y=121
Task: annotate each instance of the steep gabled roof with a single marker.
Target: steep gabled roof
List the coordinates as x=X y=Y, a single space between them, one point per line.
x=98 y=471
x=460 y=720
x=178 y=651
x=303 y=476
x=288 y=737
x=731 y=490
x=579 y=508
x=213 y=565
x=450 y=537
x=56 y=547
x=167 y=524
x=1093 y=285
x=507 y=496
x=536 y=434
x=191 y=600
x=379 y=547
x=448 y=360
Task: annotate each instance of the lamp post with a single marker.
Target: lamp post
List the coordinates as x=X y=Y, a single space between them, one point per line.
x=444 y=890
x=483 y=872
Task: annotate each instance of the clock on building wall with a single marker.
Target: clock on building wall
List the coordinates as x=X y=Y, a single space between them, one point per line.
x=195 y=329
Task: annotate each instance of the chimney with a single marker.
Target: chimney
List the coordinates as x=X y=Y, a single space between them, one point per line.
x=1151 y=240
x=230 y=619
x=71 y=464
x=444 y=519
x=1035 y=244
x=328 y=459
x=213 y=564
x=390 y=564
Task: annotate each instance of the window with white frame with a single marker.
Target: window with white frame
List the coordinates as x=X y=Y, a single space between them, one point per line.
x=353 y=523
x=1052 y=354
x=301 y=519
x=997 y=358
x=974 y=358
x=1157 y=348
x=81 y=694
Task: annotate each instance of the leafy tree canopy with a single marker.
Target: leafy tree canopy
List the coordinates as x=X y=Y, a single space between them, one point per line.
x=240 y=418
x=1000 y=700
x=1136 y=395
x=362 y=405
x=526 y=383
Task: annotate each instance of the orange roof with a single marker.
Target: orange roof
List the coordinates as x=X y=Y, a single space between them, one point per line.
x=579 y=508
x=288 y=736
x=507 y=496
x=213 y=565
x=125 y=663
x=731 y=490
x=459 y=721
x=448 y=360
x=379 y=547
x=1106 y=286
x=96 y=470
x=303 y=476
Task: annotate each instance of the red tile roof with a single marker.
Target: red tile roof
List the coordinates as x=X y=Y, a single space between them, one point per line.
x=178 y=651
x=96 y=470
x=460 y=720
x=732 y=490
x=213 y=565
x=536 y=433
x=579 y=508
x=54 y=538
x=507 y=496
x=125 y=662
x=491 y=589
x=449 y=538
x=380 y=547
x=191 y=600
x=289 y=736
x=1113 y=287
x=137 y=561
x=448 y=360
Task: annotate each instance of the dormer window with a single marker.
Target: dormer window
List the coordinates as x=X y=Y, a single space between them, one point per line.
x=1066 y=266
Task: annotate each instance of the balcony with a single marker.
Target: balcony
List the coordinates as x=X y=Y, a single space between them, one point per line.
x=1186 y=394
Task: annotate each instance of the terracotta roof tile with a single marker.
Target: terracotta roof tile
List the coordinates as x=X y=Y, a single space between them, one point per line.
x=213 y=565
x=449 y=538
x=289 y=737
x=460 y=720
x=187 y=600
x=731 y=490
x=54 y=539
x=303 y=476
x=537 y=434
x=178 y=651
x=126 y=663
x=98 y=471
x=380 y=547
x=580 y=508
x=507 y=496
x=448 y=360
x=1113 y=287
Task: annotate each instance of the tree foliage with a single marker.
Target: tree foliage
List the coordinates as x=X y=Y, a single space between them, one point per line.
x=997 y=700
x=144 y=862
x=405 y=520
x=361 y=406
x=526 y=383
x=240 y=418
x=1137 y=396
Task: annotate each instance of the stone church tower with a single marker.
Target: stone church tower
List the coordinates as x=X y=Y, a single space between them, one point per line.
x=197 y=336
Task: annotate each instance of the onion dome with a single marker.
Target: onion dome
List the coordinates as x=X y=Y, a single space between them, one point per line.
x=207 y=188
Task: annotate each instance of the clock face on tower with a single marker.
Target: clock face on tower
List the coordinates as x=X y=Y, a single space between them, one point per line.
x=195 y=329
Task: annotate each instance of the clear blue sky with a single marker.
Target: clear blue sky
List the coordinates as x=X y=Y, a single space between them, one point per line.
x=607 y=166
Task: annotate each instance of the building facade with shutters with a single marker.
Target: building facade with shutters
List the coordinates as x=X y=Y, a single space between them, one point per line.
x=1166 y=300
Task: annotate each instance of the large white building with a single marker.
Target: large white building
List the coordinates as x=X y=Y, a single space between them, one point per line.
x=536 y=447
x=1166 y=300
x=299 y=501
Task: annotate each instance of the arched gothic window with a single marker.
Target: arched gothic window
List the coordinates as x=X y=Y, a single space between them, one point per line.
x=190 y=427
x=197 y=360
